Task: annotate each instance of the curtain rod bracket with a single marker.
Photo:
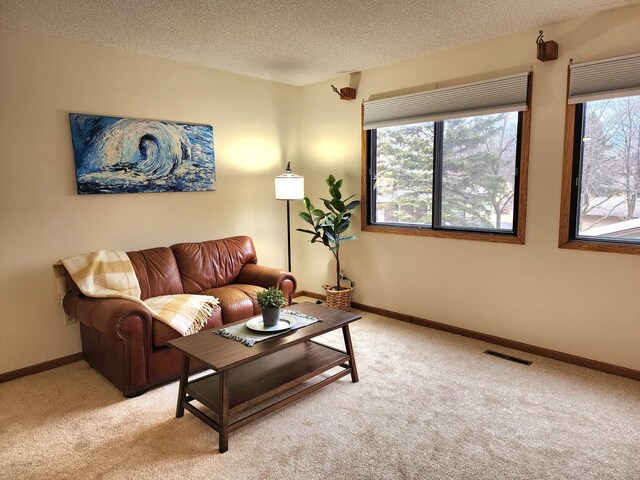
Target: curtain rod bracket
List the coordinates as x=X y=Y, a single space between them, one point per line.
x=345 y=93
x=546 y=50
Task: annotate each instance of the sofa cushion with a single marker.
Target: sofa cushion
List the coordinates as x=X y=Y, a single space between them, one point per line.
x=162 y=332
x=236 y=301
x=214 y=263
x=157 y=272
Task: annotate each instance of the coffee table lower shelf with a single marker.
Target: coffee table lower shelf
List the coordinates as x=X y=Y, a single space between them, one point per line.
x=259 y=380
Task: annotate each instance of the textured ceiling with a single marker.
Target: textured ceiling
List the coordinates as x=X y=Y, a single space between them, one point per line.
x=291 y=41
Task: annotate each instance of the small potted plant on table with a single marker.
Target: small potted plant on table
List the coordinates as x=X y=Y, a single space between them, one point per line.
x=270 y=301
x=329 y=228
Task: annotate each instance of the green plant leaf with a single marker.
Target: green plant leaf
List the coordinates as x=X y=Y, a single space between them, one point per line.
x=353 y=205
x=330 y=235
x=318 y=213
x=327 y=204
x=328 y=227
x=344 y=226
x=335 y=193
x=306 y=217
x=331 y=180
x=311 y=232
x=307 y=203
x=348 y=237
x=338 y=205
x=338 y=184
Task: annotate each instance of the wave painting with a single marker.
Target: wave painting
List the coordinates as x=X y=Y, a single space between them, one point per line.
x=124 y=155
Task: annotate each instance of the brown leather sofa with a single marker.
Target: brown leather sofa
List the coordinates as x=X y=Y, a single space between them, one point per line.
x=124 y=343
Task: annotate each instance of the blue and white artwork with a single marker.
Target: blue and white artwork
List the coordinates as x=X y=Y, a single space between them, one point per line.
x=125 y=155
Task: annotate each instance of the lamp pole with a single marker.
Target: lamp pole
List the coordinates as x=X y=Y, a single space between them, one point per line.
x=288 y=237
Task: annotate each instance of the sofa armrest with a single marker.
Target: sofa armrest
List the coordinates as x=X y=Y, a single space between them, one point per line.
x=252 y=274
x=123 y=330
x=109 y=316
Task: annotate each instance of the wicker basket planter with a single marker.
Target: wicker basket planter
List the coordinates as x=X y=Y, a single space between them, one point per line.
x=340 y=299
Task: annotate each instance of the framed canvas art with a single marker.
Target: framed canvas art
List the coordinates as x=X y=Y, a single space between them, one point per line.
x=126 y=155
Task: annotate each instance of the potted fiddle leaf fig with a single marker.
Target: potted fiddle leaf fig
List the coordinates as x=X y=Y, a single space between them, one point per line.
x=270 y=301
x=329 y=228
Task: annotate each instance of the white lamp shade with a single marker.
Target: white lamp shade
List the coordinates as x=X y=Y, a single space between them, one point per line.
x=289 y=187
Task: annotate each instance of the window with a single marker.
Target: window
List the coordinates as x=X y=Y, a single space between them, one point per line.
x=479 y=160
x=601 y=185
x=459 y=177
x=404 y=174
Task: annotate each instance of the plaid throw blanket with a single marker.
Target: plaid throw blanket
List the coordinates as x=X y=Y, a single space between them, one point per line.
x=110 y=274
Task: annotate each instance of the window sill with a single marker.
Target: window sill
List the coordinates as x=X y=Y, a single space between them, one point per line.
x=476 y=236
x=600 y=247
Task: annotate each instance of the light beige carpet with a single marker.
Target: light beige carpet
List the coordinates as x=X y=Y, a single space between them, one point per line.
x=429 y=405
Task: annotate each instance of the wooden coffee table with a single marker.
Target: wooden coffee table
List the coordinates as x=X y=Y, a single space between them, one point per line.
x=245 y=376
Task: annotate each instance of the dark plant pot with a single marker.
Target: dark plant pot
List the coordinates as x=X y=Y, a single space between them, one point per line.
x=270 y=316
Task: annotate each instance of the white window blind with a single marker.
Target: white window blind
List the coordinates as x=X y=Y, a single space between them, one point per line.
x=506 y=94
x=609 y=78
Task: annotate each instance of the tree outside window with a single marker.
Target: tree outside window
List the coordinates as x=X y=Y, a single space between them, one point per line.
x=404 y=181
x=609 y=180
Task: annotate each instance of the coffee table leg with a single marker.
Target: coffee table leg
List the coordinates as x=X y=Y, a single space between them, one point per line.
x=223 y=414
x=184 y=378
x=352 y=358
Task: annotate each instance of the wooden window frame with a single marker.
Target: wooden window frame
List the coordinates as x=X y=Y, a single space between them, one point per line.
x=568 y=197
x=517 y=237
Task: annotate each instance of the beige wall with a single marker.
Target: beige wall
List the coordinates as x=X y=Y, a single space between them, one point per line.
x=582 y=303
x=41 y=217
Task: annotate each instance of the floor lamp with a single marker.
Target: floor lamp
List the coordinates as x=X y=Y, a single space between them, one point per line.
x=289 y=187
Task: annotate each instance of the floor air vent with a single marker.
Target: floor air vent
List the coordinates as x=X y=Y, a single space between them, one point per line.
x=508 y=357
